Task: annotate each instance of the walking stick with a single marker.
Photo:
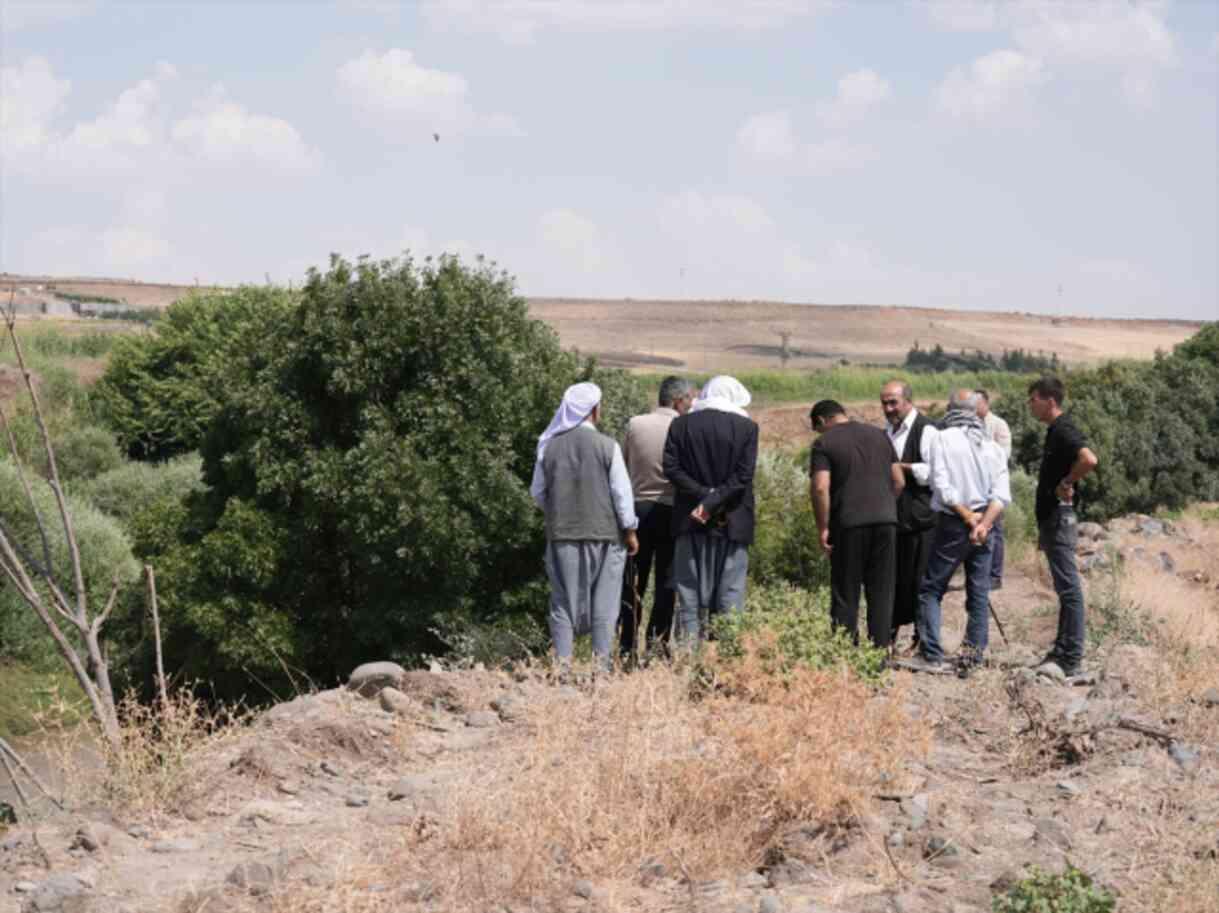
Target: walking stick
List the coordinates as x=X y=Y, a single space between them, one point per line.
x=998 y=623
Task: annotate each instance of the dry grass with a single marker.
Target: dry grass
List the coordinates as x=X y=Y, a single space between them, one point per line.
x=158 y=768
x=647 y=771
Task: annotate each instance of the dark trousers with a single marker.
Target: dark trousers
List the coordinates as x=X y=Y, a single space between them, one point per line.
x=1058 y=538
x=655 y=550
x=864 y=556
x=998 y=549
x=913 y=550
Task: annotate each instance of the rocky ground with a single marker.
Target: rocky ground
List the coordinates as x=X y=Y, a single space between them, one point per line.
x=297 y=809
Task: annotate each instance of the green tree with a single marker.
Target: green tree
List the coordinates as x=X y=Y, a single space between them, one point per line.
x=367 y=473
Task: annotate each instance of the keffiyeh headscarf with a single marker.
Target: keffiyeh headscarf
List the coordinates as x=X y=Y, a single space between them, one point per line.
x=960 y=416
x=724 y=393
x=579 y=400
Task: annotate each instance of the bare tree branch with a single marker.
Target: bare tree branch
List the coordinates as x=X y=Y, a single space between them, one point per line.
x=156 y=633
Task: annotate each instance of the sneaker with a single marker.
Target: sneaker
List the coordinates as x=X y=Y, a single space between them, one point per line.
x=996 y=584
x=920 y=663
x=1068 y=669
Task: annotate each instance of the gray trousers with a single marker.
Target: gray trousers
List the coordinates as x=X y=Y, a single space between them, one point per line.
x=585 y=593
x=1058 y=537
x=709 y=575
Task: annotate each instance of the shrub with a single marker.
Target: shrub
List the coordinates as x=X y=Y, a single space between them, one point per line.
x=1072 y=891
x=105 y=553
x=129 y=488
x=786 y=547
x=81 y=453
x=787 y=628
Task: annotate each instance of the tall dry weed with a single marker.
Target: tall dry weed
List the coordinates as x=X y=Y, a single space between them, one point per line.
x=650 y=772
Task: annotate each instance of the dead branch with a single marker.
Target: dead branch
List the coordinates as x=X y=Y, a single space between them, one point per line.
x=7 y=753
x=156 y=634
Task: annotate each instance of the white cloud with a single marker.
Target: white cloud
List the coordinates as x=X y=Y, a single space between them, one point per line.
x=24 y=14
x=692 y=211
x=225 y=133
x=519 y=21
x=30 y=97
x=768 y=138
x=395 y=88
x=991 y=84
x=835 y=155
x=1129 y=36
x=577 y=238
x=857 y=93
x=113 y=139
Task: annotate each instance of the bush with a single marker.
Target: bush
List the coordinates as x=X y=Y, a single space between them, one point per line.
x=161 y=389
x=367 y=463
x=789 y=628
x=786 y=547
x=1072 y=891
x=105 y=553
x=126 y=490
x=81 y=453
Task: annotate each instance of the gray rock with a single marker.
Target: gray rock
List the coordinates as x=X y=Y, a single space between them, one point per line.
x=368 y=680
x=1051 y=831
x=288 y=787
x=1166 y=562
x=509 y=709
x=25 y=887
x=1052 y=672
x=357 y=801
x=1089 y=530
x=1068 y=788
x=1210 y=697
x=255 y=877
x=1187 y=757
x=769 y=903
x=139 y=831
x=176 y=845
x=87 y=839
x=482 y=719
x=753 y=880
x=583 y=888
x=394 y=701
x=1149 y=527
x=51 y=894
x=896 y=839
x=916 y=809
x=1077 y=707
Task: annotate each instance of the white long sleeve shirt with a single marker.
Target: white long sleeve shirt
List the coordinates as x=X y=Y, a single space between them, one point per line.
x=998 y=431
x=962 y=474
x=619 y=481
x=897 y=437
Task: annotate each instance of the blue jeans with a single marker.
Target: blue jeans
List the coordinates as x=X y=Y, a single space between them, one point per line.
x=1058 y=537
x=951 y=547
x=998 y=547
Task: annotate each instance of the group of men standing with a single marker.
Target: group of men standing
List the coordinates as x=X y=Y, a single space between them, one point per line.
x=898 y=511
x=680 y=502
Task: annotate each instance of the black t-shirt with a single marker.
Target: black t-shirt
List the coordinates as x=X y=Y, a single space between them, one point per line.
x=1063 y=441
x=858 y=458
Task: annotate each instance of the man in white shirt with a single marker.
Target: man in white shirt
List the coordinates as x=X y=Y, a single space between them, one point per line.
x=997 y=431
x=911 y=433
x=970 y=489
x=581 y=484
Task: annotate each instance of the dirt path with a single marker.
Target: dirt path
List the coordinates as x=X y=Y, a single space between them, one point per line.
x=307 y=808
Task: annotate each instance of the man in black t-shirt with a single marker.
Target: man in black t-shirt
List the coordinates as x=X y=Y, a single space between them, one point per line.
x=1065 y=460
x=855 y=477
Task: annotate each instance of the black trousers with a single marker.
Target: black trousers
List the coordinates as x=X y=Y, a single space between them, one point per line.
x=655 y=551
x=913 y=551
x=864 y=556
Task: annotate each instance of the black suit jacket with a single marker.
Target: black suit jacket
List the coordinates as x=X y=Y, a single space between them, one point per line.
x=710 y=458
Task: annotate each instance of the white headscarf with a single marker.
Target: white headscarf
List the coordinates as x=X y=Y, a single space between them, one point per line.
x=727 y=394
x=579 y=400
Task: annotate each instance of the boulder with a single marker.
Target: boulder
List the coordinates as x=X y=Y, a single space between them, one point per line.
x=368 y=680
x=394 y=701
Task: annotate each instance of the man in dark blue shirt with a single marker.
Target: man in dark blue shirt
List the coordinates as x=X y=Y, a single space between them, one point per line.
x=1065 y=460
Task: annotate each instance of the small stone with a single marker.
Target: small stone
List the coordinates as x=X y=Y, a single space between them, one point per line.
x=1187 y=758
x=916 y=808
x=896 y=839
x=255 y=877
x=768 y=903
x=1166 y=562
x=482 y=719
x=1210 y=697
x=288 y=787
x=368 y=679
x=394 y=701
x=1067 y=787
x=87 y=839
x=177 y=845
x=583 y=888
x=753 y=880
x=357 y=801
x=25 y=887
x=939 y=846
x=1051 y=831
x=1083 y=679
x=509 y=709
x=1077 y=707
x=435 y=667
x=327 y=768
x=1149 y=527
x=139 y=831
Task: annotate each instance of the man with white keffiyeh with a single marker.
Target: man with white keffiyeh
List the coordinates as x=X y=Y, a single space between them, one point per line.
x=969 y=490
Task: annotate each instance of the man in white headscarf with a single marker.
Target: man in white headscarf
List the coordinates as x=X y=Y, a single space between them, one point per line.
x=581 y=484
x=710 y=455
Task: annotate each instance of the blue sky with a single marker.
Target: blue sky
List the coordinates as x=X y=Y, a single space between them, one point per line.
x=1020 y=155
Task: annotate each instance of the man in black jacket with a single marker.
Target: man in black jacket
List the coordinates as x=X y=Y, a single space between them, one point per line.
x=911 y=433
x=710 y=455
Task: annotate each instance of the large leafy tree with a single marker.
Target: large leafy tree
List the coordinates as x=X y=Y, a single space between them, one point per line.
x=367 y=464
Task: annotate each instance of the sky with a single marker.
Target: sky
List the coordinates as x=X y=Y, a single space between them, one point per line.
x=1024 y=155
